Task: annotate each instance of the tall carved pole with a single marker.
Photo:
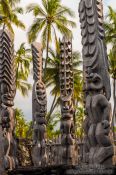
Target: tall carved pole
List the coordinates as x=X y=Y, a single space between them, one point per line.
x=96 y=83
x=66 y=90
x=7 y=93
x=39 y=107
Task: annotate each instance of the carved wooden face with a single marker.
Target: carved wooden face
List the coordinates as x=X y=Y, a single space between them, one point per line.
x=40 y=94
x=94 y=81
x=66 y=105
x=67 y=109
x=4 y=88
x=5 y=118
x=8 y=118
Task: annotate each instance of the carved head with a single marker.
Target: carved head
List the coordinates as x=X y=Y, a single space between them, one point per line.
x=93 y=81
x=7 y=94
x=7 y=116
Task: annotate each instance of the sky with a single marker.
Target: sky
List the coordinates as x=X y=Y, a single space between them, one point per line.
x=21 y=36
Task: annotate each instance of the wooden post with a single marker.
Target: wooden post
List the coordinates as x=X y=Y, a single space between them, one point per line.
x=99 y=149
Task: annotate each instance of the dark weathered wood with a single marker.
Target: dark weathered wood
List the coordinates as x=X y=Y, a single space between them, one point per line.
x=39 y=107
x=66 y=95
x=8 y=158
x=64 y=170
x=98 y=147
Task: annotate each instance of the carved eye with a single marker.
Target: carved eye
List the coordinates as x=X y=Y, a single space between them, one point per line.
x=69 y=92
x=37 y=87
x=68 y=66
x=96 y=80
x=62 y=87
x=69 y=42
x=67 y=74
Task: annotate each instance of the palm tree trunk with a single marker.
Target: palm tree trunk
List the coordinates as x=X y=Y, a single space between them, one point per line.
x=114 y=109
x=52 y=108
x=47 y=50
x=53 y=103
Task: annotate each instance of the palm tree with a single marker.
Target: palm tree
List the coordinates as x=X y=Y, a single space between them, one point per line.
x=110 y=30
x=14 y=2
x=112 y=61
x=79 y=122
x=22 y=126
x=8 y=13
x=51 y=16
x=110 y=26
x=52 y=79
x=22 y=62
x=53 y=130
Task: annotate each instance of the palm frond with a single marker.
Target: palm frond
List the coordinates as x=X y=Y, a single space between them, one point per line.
x=36 y=27
x=13 y=2
x=36 y=9
x=44 y=37
x=23 y=87
x=63 y=10
x=8 y=24
x=53 y=6
x=63 y=29
x=16 y=21
x=110 y=26
x=56 y=39
x=18 y=10
x=6 y=7
x=45 y=4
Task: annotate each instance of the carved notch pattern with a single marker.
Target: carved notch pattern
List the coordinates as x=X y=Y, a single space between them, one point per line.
x=7 y=94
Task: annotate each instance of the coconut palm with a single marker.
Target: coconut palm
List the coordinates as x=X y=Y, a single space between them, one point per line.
x=53 y=129
x=79 y=122
x=51 y=16
x=22 y=126
x=112 y=61
x=110 y=26
x=110 y=30
x=22 y=62
x=14 y=2
x=52 y=79
x=8 y=13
